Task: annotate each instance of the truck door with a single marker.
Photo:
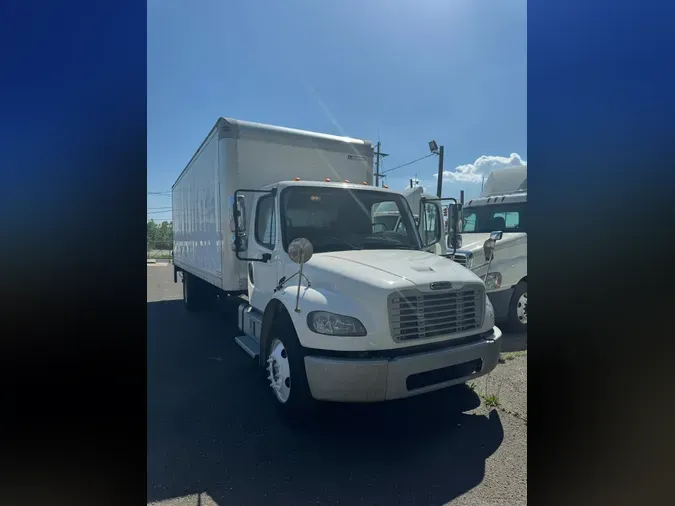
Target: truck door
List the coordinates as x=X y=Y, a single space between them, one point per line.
x=263 y=277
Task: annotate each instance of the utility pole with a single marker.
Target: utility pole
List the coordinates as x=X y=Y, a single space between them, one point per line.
x=439 y=187
x=378 y=155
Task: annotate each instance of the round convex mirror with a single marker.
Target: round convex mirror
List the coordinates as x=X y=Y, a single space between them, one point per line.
x=300 y=250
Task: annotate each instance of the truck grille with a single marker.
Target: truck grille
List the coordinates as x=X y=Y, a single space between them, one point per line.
x=417 y=315
x=460 y=259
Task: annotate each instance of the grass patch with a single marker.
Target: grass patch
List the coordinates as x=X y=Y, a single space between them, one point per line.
x=491 y=401
x=159 y=254
x=513 y=354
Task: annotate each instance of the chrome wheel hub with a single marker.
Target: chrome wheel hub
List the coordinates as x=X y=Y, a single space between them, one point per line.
x=521 y=309
x=279 y=371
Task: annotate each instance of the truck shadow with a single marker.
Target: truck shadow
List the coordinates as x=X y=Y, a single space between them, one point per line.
x=213 y=430
x=514 y=342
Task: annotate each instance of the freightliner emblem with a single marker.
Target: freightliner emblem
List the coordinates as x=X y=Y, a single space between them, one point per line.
x=440 y=285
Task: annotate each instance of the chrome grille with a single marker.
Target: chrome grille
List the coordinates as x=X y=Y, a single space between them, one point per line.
x=423 y=315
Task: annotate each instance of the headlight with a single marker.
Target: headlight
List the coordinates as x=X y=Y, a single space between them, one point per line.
x=489 y=310
x=323 y=322
x=493 y=281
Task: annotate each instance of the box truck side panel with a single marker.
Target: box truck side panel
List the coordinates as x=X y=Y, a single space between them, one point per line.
x=263 y=163
x=235 y=277
x=198 y=233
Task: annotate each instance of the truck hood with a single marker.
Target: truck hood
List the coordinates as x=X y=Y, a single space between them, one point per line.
x=387 y=269
x=473 y=242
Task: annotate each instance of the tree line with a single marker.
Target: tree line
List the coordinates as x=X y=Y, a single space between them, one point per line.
x=160 y=236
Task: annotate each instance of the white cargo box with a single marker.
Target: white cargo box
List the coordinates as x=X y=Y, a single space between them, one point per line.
x=244 y=155
x=505 y=181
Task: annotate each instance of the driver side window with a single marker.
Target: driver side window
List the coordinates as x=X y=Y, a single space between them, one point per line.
x=265 y=223
x=469 y=220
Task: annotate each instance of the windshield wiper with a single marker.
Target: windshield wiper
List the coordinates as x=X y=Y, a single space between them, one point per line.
x=333 y=238
x=388 y=246
x=386 y=242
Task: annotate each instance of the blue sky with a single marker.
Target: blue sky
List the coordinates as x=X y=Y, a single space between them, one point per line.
x=450 y=70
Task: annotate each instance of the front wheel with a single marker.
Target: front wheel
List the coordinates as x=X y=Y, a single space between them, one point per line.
x=517 y=322
x=287 y=378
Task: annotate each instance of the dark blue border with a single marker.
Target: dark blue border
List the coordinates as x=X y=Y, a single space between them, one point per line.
x=73 y=144
x=600 y=144
x=72 y=141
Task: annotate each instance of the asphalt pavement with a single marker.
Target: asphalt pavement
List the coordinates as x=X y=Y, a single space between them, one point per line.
x=215 y=438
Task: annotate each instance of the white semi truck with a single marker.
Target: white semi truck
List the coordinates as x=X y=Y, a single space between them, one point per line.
x=336 y=309
x=502 y=207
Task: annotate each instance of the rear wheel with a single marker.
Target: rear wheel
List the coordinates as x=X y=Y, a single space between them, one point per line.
x=286 y=376
x=517 y=322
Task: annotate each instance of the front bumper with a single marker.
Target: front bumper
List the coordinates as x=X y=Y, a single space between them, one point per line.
x=382 y=379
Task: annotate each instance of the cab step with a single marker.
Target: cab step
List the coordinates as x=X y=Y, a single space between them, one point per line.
x=249 y=344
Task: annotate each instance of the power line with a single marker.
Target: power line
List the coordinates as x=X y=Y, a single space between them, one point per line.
x=160 y=193
x=407 y=163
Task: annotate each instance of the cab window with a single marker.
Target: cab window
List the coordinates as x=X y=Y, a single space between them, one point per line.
x=265 y=223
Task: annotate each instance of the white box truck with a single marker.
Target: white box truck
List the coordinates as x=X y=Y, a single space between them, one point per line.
x=501 y=207
x=336 y=308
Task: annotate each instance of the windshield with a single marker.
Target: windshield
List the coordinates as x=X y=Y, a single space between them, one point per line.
x=336 y=219
x=388 y=221
x=491 y=218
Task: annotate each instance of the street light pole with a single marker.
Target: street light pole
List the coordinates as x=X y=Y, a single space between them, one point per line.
x=439 y=186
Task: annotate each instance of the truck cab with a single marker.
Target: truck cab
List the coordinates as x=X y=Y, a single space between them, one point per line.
x=341 y=308
x=501 y=206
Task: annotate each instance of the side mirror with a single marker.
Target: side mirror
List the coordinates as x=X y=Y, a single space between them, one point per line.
x=300 y=250
x=238 y=214
x=239 y=241
x=453 y=240
x=489 y=245
x=489 y=249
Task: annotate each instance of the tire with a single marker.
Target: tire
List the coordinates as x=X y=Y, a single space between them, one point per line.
x=286 y=375
x=517 y=320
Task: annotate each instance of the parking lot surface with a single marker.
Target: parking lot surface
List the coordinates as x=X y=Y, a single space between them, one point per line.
x=214 y=437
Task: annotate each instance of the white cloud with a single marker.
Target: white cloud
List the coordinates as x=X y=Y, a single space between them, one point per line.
x=474 y=172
